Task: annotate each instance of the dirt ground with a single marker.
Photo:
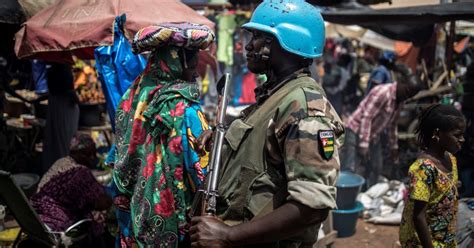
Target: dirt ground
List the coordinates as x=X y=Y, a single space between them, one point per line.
x=370 y=236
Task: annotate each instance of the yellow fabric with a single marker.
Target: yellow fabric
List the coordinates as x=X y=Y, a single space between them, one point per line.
x=9 y=235
x=439 y=190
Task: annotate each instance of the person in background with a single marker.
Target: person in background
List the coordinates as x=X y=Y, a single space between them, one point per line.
x=382 y=74
x=377 y=111
x=466 y=155
x=158 y=121
x=277 y=183
x=429 y=217
x=68 y=192
x=62 y=119
x=335 y=81
x=5 y=79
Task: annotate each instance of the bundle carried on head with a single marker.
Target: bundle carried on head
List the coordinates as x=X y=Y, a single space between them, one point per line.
x=184 y=34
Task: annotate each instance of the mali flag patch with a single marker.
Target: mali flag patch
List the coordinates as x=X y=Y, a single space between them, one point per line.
x=326 y=142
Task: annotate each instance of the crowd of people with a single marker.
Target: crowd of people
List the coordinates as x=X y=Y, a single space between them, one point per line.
x=281 y=156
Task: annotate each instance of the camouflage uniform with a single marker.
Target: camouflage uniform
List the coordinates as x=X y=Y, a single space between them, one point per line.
x=273 y=154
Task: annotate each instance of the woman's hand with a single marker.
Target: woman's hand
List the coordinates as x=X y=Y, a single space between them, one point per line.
x=204 y=142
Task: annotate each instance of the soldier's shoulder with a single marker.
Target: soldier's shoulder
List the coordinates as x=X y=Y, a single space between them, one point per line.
x=316 y=102
x=311 y=100
x=306 y=101
x=317 y=105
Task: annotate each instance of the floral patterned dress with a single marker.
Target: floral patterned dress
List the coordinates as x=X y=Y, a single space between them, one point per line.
x=157 y=124
x=439 y=190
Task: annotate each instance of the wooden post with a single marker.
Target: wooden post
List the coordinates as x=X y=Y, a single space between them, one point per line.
x=450 y=46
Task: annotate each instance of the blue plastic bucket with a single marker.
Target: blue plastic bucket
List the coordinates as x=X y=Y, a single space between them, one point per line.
x=345 y=221
x=348 y=187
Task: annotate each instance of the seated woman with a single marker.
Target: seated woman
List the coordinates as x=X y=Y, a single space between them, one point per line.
x=68 y=192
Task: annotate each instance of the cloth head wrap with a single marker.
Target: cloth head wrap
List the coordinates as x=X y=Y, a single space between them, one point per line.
x=186 y=35
x=81 y=142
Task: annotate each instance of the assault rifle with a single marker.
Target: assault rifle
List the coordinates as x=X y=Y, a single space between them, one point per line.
x=204 y=202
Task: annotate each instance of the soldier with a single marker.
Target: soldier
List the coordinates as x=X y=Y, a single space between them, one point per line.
x=281 y=160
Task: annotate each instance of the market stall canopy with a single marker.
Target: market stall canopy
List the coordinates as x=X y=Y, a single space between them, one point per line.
x=314 y=2
x=31 y=7
x=361 y=34
x=465 y=27
x=76 y=27
x=412 y=24
x=368 y=37
x=11 y=12
x=425 y=14
x=419 y=35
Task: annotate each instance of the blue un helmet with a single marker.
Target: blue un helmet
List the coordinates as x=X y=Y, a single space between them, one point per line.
x=296 y=24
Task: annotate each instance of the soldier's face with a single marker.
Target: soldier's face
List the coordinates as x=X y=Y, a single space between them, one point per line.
x=255 y=52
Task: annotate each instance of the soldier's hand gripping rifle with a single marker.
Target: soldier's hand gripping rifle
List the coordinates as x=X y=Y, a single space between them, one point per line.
x=205 y=199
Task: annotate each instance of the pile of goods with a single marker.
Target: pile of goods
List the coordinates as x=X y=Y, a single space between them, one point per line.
x=27 y=94
x=87 y=86
x=383 y=202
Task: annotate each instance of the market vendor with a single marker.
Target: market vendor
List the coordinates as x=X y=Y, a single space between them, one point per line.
x=5 y=87
x=382 y=74
x=69 y=192
x=63 y=114
x=466 y=156
x=379 y=110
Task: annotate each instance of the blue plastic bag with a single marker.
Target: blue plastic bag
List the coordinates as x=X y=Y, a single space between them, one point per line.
x=117 y=67
x=38 y=71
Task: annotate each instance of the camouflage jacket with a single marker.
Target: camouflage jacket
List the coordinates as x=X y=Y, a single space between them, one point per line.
x=285 y=148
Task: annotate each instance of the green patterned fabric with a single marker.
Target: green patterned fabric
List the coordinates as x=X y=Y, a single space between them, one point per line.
x=150 y=162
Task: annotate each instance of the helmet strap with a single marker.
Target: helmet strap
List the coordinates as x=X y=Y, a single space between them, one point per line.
x=265 y=57
x=266 y=49
x=264 y=54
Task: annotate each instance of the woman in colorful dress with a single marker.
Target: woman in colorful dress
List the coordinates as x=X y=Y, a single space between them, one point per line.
x=157 y=123
x=429 y=217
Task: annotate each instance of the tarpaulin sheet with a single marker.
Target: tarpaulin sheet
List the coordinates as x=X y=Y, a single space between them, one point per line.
x=413 y=24
x=425 y=14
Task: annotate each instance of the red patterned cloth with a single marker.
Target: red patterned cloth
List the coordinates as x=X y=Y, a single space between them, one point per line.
x=188 y=35
x=378 y=110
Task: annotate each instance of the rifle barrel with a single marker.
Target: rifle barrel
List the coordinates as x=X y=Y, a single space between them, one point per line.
x=216 y=159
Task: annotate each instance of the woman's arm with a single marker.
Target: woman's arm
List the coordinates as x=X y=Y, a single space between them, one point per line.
x=421 y=226
x=195 y=159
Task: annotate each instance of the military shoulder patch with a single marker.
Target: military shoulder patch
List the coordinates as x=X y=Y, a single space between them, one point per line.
x=326 y=142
